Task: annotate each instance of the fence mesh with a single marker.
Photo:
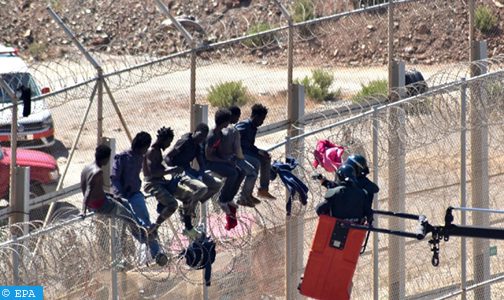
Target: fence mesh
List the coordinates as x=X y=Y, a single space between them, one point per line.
x=252 y=256
x=148 y=74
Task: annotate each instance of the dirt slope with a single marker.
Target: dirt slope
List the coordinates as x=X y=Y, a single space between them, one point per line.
x=424 y=34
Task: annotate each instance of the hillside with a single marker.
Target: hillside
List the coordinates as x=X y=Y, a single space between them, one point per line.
x=427 y=32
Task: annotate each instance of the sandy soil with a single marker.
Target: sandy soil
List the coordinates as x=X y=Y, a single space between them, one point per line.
x=144 y=106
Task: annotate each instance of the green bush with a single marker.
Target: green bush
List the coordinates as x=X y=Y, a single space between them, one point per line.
x=317 y=86
x=485 y=19
x=37 y=50
x=228 y=93
x=495 y=93
x=375 y=88
x=55 y=4
x=259 y=41
x=303 y=10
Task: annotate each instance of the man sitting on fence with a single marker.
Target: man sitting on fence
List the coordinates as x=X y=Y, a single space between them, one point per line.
x=223 y=166
x=126 y=183
x=186 y=150
x=230 y=148
x=97 y=201
x=260 y=159
x=167 y=191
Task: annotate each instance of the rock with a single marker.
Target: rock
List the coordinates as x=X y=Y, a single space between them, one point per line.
x=371 y=28
x=409 y=49
x=423 y=29
x=498 y=3
x=447 y=43
x=101 y=40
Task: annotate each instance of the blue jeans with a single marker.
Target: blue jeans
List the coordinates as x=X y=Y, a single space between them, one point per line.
x=126 y=212
x=231 y=174
x=263 y=164
x=139 y=208
x=249 y=172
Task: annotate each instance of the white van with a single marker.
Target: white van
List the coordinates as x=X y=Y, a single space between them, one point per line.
x=36 y=130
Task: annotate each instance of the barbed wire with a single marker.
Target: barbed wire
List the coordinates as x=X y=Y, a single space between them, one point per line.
x=153 y=38
x=74 y=256
x=86 y=243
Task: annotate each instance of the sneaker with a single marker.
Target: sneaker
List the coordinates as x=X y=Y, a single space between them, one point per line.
x=161 y=259
x=192 y=234
x=231 y=219
x=245 y=202
x=263 y=193
x=254 y=200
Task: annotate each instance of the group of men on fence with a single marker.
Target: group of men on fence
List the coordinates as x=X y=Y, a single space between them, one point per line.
x=226 y=153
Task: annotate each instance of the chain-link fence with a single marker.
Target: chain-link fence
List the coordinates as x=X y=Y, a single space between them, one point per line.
x=137 y=71
x=253 y=255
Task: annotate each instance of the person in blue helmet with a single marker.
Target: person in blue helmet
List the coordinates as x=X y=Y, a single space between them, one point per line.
x=346 y=201
x=359 y=163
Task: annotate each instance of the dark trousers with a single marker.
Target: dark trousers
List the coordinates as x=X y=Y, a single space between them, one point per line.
x=232 y=182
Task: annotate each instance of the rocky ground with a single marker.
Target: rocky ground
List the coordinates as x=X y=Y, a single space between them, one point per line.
x=427 y=32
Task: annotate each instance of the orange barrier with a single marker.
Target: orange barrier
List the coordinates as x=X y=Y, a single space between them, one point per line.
x=332 y=260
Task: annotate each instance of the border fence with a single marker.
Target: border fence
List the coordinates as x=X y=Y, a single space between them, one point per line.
x=438 y=149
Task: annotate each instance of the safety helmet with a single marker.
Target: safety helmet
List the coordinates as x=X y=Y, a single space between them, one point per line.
x=359 y=163
x=346 y=173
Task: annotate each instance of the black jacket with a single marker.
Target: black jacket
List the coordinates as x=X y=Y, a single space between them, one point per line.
x=345 y=201
x=363 y=182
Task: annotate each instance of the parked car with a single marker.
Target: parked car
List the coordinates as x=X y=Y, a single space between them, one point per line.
x=44 y=176
x=35 y=130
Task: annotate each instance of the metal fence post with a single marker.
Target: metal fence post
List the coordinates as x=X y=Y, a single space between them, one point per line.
x=19 y=214
x=193 y=86
x=99 y=107
x=20 y=208
x=114 y=238
x=397 y=186
x=294 y=223
x=192 y=42
x=390 y=41
x=113 y=257
x=290 y=49
x=15 y=261
x=471 y=12
x=463 y=184
x=98 y=88
x=13 y=138
x=289 y=281
x=201 y=116
x=376 y=271
x=479 y=170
